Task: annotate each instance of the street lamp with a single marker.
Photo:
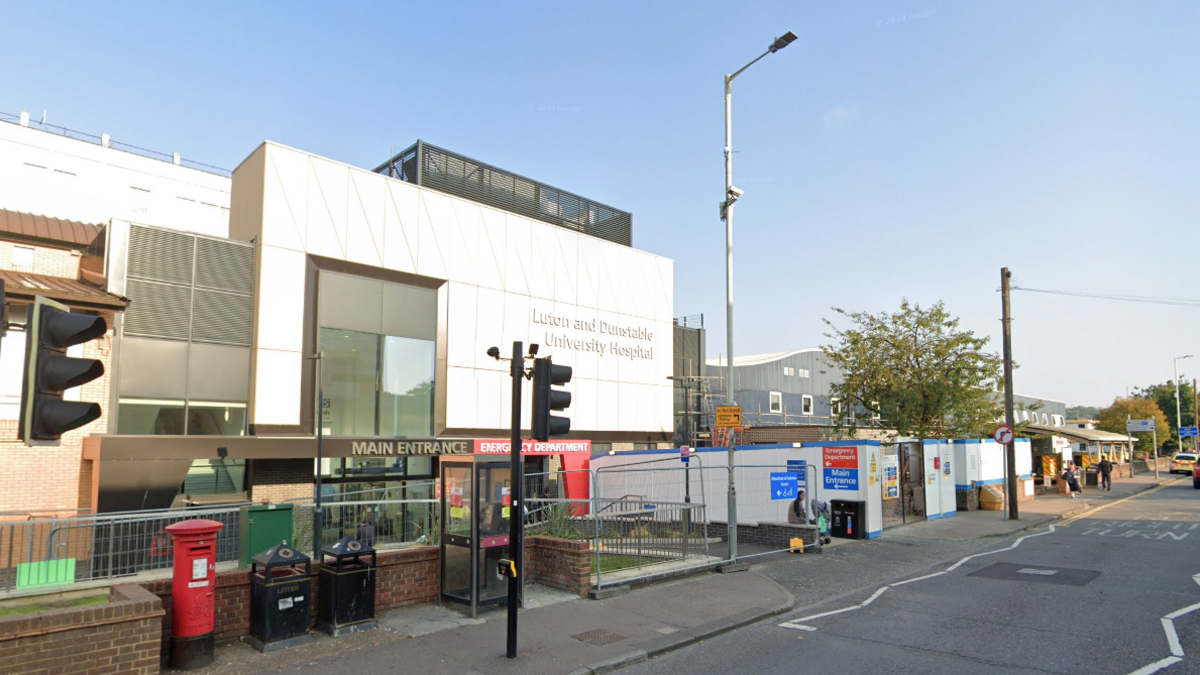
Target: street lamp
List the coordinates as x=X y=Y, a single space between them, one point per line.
x=731 y=195
x=1178 y=417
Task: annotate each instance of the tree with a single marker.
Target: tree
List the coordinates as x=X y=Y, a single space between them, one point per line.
x=1086 y=412
x=1164 y=395
x=918 y=371
x=1114 y=416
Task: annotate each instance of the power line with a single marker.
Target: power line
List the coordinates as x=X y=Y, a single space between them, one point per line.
x=1145 y=299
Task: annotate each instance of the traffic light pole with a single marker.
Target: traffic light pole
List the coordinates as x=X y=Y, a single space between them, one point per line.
x=516 y=519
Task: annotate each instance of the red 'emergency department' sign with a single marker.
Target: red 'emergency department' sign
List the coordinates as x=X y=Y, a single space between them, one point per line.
x=840 y=457
x=534 y=448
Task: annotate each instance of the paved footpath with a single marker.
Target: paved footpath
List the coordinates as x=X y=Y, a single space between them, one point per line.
x=561 y=634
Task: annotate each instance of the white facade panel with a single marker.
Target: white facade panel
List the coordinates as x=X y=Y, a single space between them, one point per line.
x=461 y=308
x=400 y=227
x=542 y=256
x=493 y=249
x=277 y=386
x=599 y=307
x=285 y=199
x=433 y=227
x=327 y=209
x=279 y=303
x=518 y=245
x=463 y=407
x=365 y=221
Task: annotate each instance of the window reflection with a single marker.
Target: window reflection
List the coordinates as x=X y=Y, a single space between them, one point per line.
x=377 y=385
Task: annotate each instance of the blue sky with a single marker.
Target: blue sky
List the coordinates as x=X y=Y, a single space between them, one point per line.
x=900 y=149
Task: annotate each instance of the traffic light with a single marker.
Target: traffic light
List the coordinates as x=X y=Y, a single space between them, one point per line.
x=546 y=375
x=51 y=329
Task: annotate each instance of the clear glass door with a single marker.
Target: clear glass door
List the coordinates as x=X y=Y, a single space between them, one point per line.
x=457 y=538
x=495 y=510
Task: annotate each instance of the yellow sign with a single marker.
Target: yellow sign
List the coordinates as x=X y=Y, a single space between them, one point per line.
x=504 y=512
x=456 y=512
x=729 y=416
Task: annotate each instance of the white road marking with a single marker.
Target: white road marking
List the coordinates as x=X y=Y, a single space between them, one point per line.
x=909 y=581
x=1157 y=666
x=1172 y=637
x=796 y=623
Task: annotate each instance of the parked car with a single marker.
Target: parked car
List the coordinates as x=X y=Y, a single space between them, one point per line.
x=1196 y=477
x=1183 y=463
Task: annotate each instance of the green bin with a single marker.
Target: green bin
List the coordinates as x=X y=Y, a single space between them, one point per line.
x=264 y=526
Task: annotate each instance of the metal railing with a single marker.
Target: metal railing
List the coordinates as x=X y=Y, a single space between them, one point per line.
x=103 y=546
x=430 y=166
x=116 y=145
x=382 y=523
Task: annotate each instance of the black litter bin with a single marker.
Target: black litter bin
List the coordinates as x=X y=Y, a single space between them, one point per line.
x=346 y=587
x=280 y=599
x=849 y=519
x=1091 y=477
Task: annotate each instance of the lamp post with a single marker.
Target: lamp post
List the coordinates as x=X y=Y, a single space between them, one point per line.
x=1178 y=417
x=731 y=196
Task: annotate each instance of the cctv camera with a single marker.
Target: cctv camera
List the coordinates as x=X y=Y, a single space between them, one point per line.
x=494 y=352
x=533 y=349
x=734 y=193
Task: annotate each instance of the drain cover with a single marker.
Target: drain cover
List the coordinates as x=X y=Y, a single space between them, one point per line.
x=1037 y=574
x=599 y=637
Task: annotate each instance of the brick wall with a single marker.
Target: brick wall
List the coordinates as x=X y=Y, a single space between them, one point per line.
x=278 y=480
x=564 y=564
x=121 y=636
x=55 y=262
x=405 y=577
x=48 y=480
x=773 y=536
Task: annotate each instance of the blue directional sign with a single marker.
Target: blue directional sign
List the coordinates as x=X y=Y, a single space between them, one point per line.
x=841 y=479
x=1189 y=431
x=1139 y=426
x=783 y=485
x=800 y=468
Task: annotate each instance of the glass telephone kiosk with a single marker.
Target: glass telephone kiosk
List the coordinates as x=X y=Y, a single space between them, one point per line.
x=476 y=505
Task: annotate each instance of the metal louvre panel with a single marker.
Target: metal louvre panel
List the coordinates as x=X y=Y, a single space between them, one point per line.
x=225 y=265
x=158 y=310
x=160 y=255
x=222 y=318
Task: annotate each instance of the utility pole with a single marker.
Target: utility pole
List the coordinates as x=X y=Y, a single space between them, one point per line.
x=1010 y=451
x=1195 y=417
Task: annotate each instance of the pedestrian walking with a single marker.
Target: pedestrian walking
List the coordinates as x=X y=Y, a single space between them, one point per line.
x=1105 y=467
x=1071 y=479
x=366 y=533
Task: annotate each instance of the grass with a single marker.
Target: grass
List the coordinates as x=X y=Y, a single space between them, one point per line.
x=612 y=563
x=73 y=603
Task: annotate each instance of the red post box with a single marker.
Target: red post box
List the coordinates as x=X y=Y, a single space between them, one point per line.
x=193 y=592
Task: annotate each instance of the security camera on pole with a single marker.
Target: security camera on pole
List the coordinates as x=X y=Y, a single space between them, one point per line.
x=731 y=195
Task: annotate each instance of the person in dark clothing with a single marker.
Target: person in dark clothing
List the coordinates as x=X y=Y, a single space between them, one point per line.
x=1105 y=467
x=366 y=533
x=1069 y=476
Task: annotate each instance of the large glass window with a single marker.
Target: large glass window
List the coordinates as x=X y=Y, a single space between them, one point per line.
x=377 y=385
x=406 y=397
x=156 y=417
x=216 y=419
x=148 y=417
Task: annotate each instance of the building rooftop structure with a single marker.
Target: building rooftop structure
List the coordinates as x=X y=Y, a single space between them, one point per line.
x=433 y=167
